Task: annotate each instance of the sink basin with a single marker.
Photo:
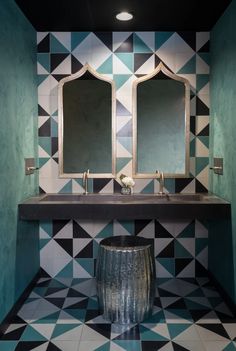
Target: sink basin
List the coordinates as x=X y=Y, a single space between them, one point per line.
x=101 y=198
x=185 y=197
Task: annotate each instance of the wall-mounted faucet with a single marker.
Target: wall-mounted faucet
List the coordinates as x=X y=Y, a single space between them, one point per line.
x=85 y=181
x=160 y=175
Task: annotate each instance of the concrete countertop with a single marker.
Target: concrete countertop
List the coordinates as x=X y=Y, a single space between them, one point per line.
x=117 y=206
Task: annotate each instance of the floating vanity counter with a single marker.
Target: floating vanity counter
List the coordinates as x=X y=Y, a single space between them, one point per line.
x=117 y=206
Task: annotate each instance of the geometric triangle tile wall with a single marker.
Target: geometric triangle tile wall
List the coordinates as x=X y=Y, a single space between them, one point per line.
x=68 y=248
x=122 y=56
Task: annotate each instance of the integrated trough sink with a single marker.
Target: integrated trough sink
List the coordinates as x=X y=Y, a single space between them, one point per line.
x=118 y=206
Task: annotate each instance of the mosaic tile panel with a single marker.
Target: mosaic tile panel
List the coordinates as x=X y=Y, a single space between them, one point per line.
x=68 y=248
x=123 y=56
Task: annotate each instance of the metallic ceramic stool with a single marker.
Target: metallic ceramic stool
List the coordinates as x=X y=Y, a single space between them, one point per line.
x=126 y=278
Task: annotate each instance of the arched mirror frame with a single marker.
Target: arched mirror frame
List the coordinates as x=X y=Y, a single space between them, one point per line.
x=80 y=73
x=161 y=68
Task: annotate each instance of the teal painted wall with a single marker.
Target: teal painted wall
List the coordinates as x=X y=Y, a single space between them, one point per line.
x=223 y=128
x=19 y=251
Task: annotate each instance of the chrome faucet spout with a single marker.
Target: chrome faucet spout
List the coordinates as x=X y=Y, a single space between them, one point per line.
x=85 y=181
x=160 y=175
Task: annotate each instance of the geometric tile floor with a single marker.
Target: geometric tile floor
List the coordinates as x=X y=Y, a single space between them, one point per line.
x=62 y=315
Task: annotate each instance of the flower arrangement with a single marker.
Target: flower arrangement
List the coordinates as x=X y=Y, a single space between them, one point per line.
x=127 y=182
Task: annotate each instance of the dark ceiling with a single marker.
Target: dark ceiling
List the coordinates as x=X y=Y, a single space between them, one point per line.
x=99 y=15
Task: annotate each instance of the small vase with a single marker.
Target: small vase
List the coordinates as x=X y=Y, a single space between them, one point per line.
x=125 y=190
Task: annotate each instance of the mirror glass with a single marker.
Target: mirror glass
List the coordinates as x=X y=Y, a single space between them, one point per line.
x=161 y=124
x=86 y=118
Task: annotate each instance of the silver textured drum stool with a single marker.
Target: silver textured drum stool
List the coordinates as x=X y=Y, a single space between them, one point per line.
x=125 y=276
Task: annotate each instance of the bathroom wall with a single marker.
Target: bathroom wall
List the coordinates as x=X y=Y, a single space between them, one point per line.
x=70 y=247
x=123 y=56
x=222 y=258
x=19 y=256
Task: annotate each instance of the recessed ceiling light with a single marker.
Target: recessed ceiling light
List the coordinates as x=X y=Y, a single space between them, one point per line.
x=124 y=16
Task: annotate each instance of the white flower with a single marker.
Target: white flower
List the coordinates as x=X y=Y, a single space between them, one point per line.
x=128 y=182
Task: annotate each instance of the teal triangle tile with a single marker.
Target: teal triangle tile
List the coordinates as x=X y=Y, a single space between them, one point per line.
x=54 y=128
x=129 y=345
x=44 y=44
x=181 y=313
x=87 y=264
x=121 y=162
x=43 y=242
x=140 y=46
x=106 y=67
x=57 y=46
x=106 y=231
x=61 y=329
x=67 y=271
x=201 y=163
x=41 y=78
x=205 y=56
x=67 y=188
x=149 y=188
x=161 y=38
x=127 y=59
x=170 y=185
x=90 y=183
x=202 y=80
x=45 y=143
x=180 y=251
x=128 y=225
x=204 y=139
x=168 y=264
x=121 y=79
x=191 y=305
x=44 y=60
x=230 y=347
x=8 y=345
x=158 y=317
x=188 y=232
x=30 y=334
x=40 y=291
x=76 y=313
x=49 y=319
x=126 y=142
x=77 y=38
x=147 y=334
x=189 y=67
x=46 y=226
x=92 y=303
x=57 y=284
x=201 y=244
x=177 y=328
x=105 y=347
